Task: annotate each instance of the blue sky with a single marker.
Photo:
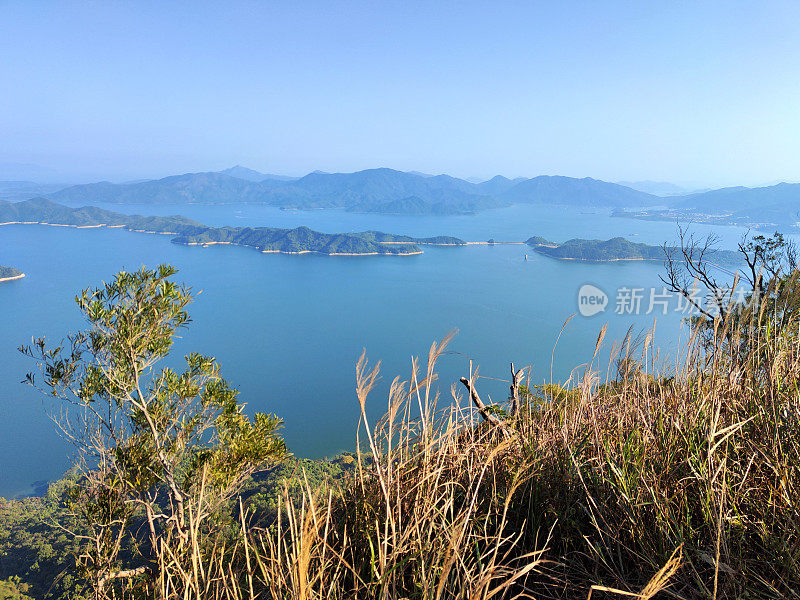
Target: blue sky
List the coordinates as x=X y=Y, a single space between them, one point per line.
x=705 y=93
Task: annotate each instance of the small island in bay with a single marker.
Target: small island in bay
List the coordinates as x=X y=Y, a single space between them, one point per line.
x=615 y=249
x=300 y=240
x=10 y=274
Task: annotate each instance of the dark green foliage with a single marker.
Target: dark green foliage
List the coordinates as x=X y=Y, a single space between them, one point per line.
x=303 y=239
x=7 y=272
x=35 y=548
x=299 y=240
x=264 y=491
x=439 y=240
x=13 y=589
x=161 y=448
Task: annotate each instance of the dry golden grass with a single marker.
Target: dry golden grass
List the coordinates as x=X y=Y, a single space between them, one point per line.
x=645 y=485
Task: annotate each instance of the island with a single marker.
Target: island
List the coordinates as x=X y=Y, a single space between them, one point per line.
x=10 y=274
x=615 y=249
x=300 y=240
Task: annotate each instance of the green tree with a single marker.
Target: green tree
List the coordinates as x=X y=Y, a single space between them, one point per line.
x=161 y=451
x=13 y=589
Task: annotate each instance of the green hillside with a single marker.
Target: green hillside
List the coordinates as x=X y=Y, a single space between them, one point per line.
x=617 y=248
x=189 y=232
x=9 y=272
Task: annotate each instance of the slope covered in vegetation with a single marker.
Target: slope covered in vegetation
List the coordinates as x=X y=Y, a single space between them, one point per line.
x=9 y=273
x=617 y=248
x=267 y=239
x=303 y=239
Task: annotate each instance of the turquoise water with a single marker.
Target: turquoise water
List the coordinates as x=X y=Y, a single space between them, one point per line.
x=289 y=329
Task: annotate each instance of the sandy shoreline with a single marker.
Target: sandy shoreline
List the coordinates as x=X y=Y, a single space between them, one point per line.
x=14 y=278
x=597 y=260
x=494 y=243
x=421 y=243
x=106 y=225
x=204 y=244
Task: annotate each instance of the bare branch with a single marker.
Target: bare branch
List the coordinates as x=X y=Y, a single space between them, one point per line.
x=482 y=408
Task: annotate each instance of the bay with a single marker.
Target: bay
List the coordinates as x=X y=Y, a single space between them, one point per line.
x=289 y=329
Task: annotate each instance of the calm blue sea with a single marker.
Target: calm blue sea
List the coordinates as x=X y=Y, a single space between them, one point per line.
x=289 y=329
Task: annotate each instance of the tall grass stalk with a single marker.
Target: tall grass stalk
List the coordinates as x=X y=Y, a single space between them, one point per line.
x=676 y=484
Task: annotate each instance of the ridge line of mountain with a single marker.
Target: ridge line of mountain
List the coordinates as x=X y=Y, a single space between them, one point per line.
x=373 y=190
x=388 y=191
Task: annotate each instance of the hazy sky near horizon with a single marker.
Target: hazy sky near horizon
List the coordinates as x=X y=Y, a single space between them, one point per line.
x=700 y=93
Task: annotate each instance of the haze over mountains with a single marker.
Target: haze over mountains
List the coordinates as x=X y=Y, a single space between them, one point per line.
x=389 y=191
x=373 y=190
x=657 y=188
x=763 y=208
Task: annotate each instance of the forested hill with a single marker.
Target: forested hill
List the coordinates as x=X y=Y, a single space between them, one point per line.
x=303 y=240
x=9 y=273
x=372 y=190
x=617 y=248
x=187 y=231
x=44 y=211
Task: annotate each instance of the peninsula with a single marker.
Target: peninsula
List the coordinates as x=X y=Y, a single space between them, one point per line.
x=615 y=249
x=300 y=240
x=9 y=274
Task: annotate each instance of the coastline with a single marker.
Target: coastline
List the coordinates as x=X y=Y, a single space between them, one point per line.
x=205 y=244
x=494 y=243
x=98 y=226
x=424 y=243
x=596 y=260
x=14 y=278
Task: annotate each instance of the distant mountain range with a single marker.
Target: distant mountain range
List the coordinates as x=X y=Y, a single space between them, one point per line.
x=782 y=198
x=373 y=190
x=241 y=172
x=299 y=240
x=412 y=193
x=657 y=188
x=23 y=190
x=775 y=206
x=576 y=192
